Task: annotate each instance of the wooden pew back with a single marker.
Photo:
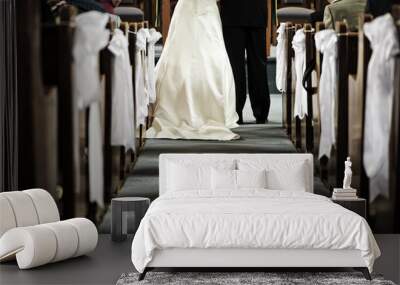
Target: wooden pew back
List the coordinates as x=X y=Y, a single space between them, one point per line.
x=295 y=122
x=347 y=66
x=287 y=96
x=384 y=214
x=356 y=112
x=316 y=110
x=307 y=130
x=57 y=71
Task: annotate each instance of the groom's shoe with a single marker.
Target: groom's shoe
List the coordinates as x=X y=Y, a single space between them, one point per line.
x=261 y=121
x=240 y=121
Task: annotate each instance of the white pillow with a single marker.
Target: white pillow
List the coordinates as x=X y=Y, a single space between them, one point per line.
x=186 y=174
x=223 y=179
x=291 y=180
x=282 y=174
x=251 y=178
x=226 y=179
x=183 y=178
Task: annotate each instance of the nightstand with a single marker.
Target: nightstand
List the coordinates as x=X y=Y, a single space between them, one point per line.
x=357 y=205
x=119 y=215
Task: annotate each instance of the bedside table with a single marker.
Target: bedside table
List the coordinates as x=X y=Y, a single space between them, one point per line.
x=357 y=205
x=119 y=215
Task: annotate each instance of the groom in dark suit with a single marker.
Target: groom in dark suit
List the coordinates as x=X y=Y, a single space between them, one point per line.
x=244 y=25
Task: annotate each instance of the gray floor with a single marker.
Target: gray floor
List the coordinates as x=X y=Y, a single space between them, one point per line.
x=106 y=264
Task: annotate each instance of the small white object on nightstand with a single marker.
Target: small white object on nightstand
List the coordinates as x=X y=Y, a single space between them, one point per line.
x=348 y=173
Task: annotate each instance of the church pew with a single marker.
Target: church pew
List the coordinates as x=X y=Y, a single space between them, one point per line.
x=132 y=50
x=165 y=18
x=33 y=151
x=307 y=130
x=287 y=96
x=356 y=66
x=111 y=154
x=295 y=122
x=316 y=111
x=384 y=214
x=117 y=160
x=57 y=71
x=72 y=172
x=130 y=30
x=299 y=131
x=332 y=170
x=383 y=209
x=347 y=66
x=356 y=112
x=71 y=152
x=284 y=95
x=353 y=63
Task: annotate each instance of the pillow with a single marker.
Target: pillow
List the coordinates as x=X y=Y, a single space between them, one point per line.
x=223 y=179
x=184 y=177
x=282 y=174
x=251 y=178
x=236 y=179
x=290 y=180
x=186 y=174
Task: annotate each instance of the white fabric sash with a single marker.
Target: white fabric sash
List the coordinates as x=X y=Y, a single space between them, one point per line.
x=299 y=46
x=378 y=105
x=90 y=37
x=154 y=36
x=123 y=129
x=281 y=58
x=95 y=150
x=326 y=43
x=142 y=99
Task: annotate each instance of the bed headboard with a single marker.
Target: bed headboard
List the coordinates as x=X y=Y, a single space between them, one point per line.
x=213 y=158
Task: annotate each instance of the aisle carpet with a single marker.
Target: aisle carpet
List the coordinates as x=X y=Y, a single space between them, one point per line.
x=268 y=138
x=244 y=278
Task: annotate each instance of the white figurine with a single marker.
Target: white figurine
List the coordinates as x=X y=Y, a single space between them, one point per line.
x=347 y=174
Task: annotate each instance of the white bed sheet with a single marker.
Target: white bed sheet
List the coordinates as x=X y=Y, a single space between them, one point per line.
x=252 y=218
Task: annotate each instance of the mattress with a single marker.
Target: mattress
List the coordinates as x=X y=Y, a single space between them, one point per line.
x=251 y=219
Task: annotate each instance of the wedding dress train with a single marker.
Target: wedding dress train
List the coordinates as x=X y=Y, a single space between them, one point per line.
x=194 y=80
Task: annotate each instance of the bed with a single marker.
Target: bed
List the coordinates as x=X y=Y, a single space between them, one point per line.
x=247 y=211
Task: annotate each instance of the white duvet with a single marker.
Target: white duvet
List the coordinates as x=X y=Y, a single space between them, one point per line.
x=250 y=219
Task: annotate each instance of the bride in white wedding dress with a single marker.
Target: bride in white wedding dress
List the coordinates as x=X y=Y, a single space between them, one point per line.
x=195 y=86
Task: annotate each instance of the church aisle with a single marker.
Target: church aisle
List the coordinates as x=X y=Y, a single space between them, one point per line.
x=269 y=138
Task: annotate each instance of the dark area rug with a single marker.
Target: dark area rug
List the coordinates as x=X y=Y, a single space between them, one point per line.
x=244 y=278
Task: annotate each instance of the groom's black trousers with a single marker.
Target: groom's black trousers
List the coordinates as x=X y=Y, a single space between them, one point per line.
x=253 y=41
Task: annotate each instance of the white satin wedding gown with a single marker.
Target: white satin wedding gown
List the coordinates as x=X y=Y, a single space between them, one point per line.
x=194 y=80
